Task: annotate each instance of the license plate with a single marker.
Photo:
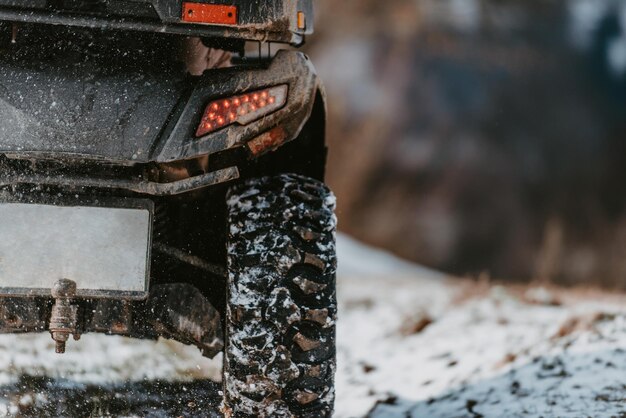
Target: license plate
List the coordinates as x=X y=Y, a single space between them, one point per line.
x=105 y=250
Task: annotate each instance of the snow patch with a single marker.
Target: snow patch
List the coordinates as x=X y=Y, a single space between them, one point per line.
x=103 y=359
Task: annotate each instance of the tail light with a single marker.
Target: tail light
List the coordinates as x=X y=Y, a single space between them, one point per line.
x=241 y=109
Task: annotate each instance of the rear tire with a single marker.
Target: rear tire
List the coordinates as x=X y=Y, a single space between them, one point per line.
x=281 y=310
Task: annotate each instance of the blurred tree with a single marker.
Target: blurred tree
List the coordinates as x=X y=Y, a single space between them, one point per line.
x=481 y=135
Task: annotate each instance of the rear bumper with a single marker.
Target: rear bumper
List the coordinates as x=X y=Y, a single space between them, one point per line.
x=135 y=184
x=176 y=311
x=185 y=287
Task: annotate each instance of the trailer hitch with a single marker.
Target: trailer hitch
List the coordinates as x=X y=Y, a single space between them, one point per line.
x=64 y=314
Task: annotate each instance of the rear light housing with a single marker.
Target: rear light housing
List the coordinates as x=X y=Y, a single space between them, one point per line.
x=242 y=109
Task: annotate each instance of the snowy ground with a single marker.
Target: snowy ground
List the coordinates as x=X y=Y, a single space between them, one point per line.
x=411 y=344
x=422 y=346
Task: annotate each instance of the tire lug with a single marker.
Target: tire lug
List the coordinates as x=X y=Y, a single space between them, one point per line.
x=307 y=286
x=305 y=344
x=315 y=261
x=306 y=233
x=319 y=316
x=300 y=194
x=314 y=371
x=304 y=397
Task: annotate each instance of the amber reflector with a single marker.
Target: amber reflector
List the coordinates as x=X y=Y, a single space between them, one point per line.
x=267 y=141
x=301 y=20
x=209 y=14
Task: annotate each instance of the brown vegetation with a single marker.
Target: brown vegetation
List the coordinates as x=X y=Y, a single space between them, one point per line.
x=473 y=143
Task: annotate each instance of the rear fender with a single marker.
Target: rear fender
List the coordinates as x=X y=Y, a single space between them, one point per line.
x=291 y=68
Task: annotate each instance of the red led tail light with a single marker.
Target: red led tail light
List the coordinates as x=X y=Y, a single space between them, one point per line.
x=241 y=109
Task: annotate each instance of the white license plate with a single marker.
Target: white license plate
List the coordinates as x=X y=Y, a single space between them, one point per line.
x=106 y=251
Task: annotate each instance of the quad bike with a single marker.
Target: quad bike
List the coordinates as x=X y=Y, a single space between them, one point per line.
x=138 y=200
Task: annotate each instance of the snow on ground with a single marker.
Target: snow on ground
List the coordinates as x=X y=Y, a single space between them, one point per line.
x=102 y=359
x=411 y=343
x=423 y=346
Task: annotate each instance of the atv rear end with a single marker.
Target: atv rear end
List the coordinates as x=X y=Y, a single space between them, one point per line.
x=124 y=182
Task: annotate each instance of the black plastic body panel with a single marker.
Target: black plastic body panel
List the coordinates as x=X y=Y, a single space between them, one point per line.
x=85 y=102
x=132 y=104
x=258 y=20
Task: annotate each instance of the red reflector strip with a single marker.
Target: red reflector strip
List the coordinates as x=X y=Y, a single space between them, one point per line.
x=209 y=14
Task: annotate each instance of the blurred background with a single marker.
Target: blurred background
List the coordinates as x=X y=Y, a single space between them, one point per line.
x=484 y=138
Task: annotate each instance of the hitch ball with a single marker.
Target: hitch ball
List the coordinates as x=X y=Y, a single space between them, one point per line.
x=64 y=314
